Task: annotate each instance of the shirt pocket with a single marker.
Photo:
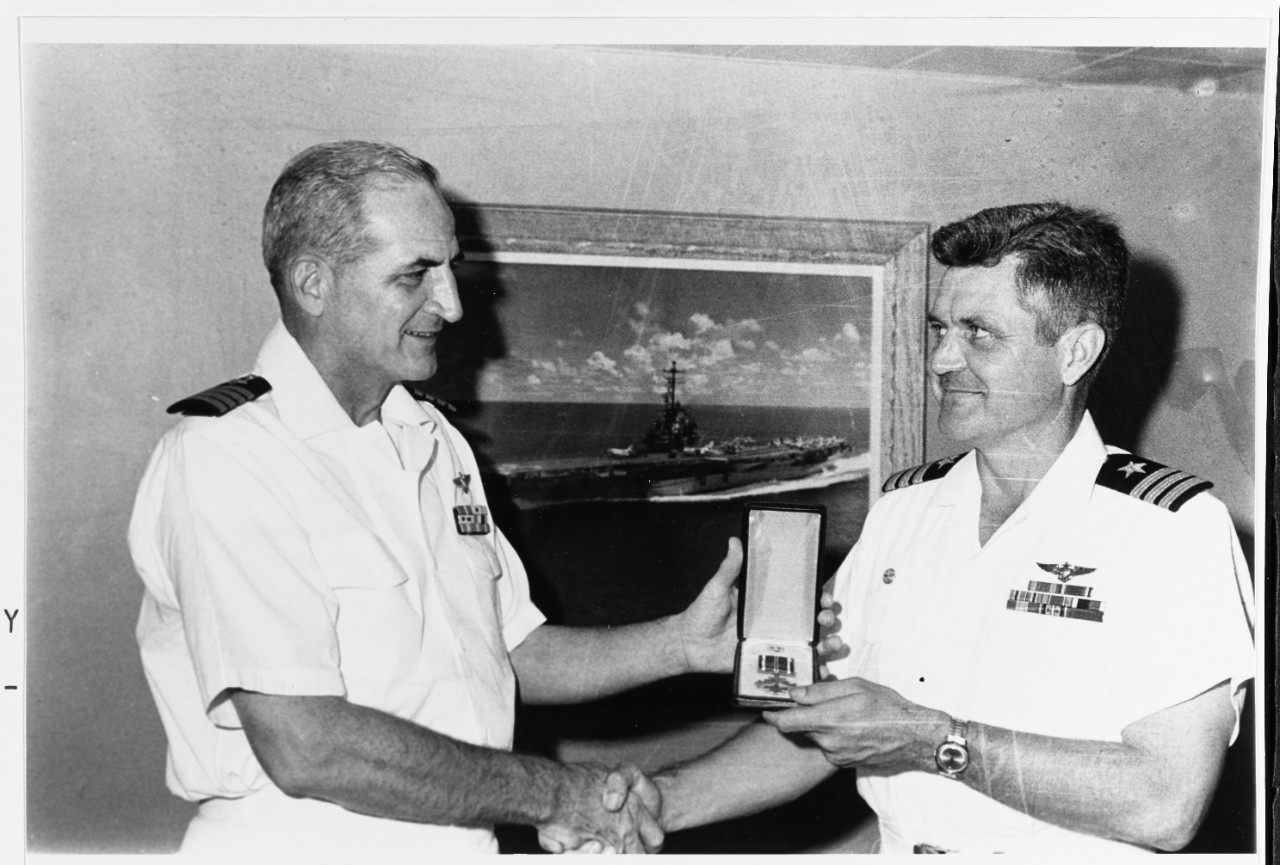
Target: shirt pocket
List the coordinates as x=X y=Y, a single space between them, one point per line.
x=377 y=624
x=1050 y=675
x=482 y=561
x=887 y=608
x=356 y=560
x=1042 y=644
x=481 y=556
x=1051 y=625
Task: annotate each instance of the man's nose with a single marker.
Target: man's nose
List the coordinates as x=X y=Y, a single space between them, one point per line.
x=946 y=356
x=444 y=300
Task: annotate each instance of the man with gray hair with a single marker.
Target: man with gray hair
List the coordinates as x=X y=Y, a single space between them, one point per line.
x=333 y=628
x=1049 y=638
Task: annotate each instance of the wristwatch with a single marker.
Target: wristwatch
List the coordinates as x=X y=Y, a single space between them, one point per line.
x=952 y=755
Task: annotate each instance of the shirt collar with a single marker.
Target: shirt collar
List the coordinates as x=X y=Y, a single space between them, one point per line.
x=1072 y=477
x=401 y=407
x=1069 y=481
x=303 y=400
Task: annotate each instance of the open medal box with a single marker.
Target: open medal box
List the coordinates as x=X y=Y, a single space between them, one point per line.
x=778 y=608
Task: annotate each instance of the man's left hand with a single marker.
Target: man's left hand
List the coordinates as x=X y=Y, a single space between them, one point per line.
x=859 y=723
x=830 y=646
x=707 y=630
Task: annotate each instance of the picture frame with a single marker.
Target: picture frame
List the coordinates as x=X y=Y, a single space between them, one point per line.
x=893 y=255
x=567 y=313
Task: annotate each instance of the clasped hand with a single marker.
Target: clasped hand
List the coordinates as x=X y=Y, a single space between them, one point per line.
x=614 y=811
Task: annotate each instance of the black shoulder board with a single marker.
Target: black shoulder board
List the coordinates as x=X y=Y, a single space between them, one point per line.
x=1150 y=481
x=218 y=400
x=920 y=474
x=417 y=392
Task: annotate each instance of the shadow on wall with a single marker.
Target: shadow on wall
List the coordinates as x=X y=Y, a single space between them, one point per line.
x=1141 y=362
x=1147 y=364
x=467 y=345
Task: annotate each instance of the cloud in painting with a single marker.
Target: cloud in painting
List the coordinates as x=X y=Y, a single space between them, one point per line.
x=599 y=362
x=801 y=344
x=669 y=342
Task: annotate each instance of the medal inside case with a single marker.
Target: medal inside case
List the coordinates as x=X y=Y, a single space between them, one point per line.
x=778 y=608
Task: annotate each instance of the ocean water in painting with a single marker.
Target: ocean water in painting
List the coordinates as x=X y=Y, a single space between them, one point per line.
x=612 y=562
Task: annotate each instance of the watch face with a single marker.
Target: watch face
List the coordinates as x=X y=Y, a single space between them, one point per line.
x=952 y=759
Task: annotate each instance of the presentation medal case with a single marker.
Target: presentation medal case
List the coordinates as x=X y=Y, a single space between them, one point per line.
x=778 y=607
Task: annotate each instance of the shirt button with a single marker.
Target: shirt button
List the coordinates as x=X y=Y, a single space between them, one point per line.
x=888 y=576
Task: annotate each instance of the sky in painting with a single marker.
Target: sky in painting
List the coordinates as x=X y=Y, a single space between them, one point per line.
x=607 y=334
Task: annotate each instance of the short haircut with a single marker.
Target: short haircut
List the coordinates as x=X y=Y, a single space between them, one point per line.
x=317 y=202
x=1073 y=265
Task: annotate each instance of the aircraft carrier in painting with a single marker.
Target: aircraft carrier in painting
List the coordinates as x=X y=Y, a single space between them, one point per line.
x=671 y=460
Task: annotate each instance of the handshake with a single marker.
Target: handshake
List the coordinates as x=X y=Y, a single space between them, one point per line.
x=598 y=810
x=619 y=810
x=595 y=809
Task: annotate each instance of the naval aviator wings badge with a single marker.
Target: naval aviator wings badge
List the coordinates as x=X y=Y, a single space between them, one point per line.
x=1058 y=599
x=1065 y=571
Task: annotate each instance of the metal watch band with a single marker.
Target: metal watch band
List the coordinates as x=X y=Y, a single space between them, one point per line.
x=952 y=754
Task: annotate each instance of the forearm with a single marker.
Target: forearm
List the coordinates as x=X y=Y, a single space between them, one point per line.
x=1111 y=789
x=757 y=769
x=568 y=665
x=375 y=763
x=1151 y=788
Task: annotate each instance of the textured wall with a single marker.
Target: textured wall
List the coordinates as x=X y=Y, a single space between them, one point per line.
x=147 y=167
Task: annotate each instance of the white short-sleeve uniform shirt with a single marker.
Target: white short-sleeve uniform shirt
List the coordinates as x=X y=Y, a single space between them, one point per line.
x=1165 y=605
x=285 y=550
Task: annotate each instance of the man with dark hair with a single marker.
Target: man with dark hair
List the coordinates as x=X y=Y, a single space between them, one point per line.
x=332 y=628
x=1073 y=264
x=1049 y=638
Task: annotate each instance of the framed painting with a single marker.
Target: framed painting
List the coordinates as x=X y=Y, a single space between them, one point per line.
x=630 y=379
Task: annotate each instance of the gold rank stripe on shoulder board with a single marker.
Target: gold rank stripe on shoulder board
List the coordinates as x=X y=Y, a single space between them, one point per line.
x=1150 y=481
x=921 y=473
x=222 y=398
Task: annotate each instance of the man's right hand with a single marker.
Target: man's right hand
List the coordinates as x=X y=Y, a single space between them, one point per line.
x=602 y=811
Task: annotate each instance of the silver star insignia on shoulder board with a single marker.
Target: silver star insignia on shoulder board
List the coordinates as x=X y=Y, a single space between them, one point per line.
x=1065 y=571
x=1134 y=468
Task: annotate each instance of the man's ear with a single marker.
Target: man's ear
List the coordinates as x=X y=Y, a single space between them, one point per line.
x=1079 y=349
x=311 y=283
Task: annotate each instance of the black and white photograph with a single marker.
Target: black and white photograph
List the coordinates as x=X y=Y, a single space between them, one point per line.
x=398 y=391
